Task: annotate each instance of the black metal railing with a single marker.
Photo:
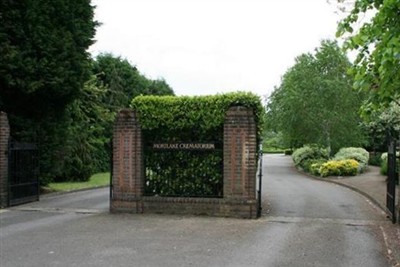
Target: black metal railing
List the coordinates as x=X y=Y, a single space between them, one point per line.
x=180 y=170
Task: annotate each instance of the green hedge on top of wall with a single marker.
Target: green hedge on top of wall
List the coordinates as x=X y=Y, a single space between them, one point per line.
x=197 y=118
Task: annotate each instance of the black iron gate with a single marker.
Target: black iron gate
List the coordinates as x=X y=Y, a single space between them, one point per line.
x=392 y=178
x=23 y=171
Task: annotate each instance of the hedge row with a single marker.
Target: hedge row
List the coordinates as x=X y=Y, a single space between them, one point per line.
x=199 y=118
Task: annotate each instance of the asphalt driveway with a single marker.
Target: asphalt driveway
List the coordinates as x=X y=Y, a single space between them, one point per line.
x=305 y=223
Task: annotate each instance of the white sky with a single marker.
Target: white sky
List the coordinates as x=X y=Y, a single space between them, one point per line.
x=213 y=46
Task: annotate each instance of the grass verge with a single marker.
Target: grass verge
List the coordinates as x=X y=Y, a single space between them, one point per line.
x=96 y=180
x=273 y=150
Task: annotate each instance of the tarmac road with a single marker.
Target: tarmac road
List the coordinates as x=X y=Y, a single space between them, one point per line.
x=305 y=223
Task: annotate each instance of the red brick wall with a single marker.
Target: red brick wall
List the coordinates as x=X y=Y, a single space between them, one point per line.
x=240 y=154
x=4 y=138
x=128 y=170
x=194 y=206
x=240 y=169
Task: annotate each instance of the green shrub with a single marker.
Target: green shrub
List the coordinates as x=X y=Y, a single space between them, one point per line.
x=375 y=159
x=384 y=165
x=308 y=152
x=311 y=165
x=273 y=142
x=348 y=167
x=357 y=153
x=384 y=168
x=288 y=152
x=384 y=162
x=316 y=167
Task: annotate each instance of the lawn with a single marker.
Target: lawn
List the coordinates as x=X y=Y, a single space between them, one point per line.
x=98 y=179
x=273 y=150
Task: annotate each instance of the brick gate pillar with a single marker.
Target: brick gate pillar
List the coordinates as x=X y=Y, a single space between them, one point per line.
x=4 y=138
x=240 y=154
x=128 y=169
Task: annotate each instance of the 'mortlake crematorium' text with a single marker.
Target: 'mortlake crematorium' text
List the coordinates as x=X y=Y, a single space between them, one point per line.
x=183 y=146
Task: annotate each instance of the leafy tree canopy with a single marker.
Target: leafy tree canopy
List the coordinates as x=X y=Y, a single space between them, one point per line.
x=382 y=123
x=377 y=67
x=124 y=81
x=43 y=57
x=315 y=102
x=44 y=88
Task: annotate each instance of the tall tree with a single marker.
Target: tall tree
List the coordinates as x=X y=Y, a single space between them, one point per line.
x=124 y=81
x=380 y=123
x=377 y=67
x=315 y=102
x=44 y=64
x=43 y=54
x=158 y=87
x=85 y=148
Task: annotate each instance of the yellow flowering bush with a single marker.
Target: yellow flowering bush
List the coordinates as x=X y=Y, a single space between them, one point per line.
x=315 y=167
x=347 y=167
